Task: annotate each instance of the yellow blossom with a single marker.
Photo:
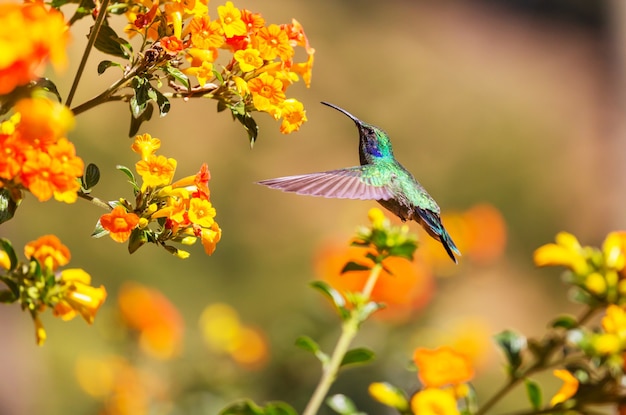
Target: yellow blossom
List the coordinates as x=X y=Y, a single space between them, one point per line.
x=388 y=395
x=442 y=366
x=595 y=283
x=249 y=59
x=230 y=17
x=201 y=212
x=614 y=248
x=145 y=145
x=569 y=388
x=156 y=171
x=293 y=114
x=267 y=92
x=566 y=252
x=273 y=41
x=79 y=296
x=433 y=401
x=615 y=321
x=210 y=238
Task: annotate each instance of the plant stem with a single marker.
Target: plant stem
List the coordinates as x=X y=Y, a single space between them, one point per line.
x=349 y=331
x=92 y=40
x=95 y=200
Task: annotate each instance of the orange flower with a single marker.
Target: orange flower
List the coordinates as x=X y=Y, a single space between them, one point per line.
x=206 y=34
x=273 y=41
x=43 y=175
x=156 y=171
x=442 y=366
x=158 y=322
x=253 y=21
x=49 y=251
x=79 y=296
x=12 y=156
x=172 y=44
x=210 y=238
x=569 y=388
x=409 y=288
x=43 y=121
x=119 y=223
x=30 y=35
x=65 y=153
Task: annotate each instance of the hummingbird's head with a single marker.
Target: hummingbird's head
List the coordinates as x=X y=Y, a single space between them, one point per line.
x=373 y=140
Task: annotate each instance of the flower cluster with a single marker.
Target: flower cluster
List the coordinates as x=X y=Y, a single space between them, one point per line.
x=179 y=211
x=598 y=274
x=30 y=35
x=40 y=284
x=260 y=66
x=443 y=373
x=34 y=153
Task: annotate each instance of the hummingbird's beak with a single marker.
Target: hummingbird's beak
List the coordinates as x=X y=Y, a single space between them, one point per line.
x=352 y=117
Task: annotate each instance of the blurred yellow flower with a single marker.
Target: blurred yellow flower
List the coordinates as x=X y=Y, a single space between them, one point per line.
x=442 y=366
x=79 y=297
x=569 y=388
x=566 y=252
x=614 y=321
x=388 y=395
x=431 y=401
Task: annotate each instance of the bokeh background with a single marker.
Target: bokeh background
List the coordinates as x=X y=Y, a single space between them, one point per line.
x=514 y=108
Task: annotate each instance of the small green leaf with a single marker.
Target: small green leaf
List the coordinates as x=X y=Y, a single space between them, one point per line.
x=354 y=266
x=139 y=101
x=249 y=124
x=136 y=240
x=512 y=344
x=369 y=309
x=358 y=356
x=308 y=344
x=178 y=75
x=162 y=102
x=91 y=176
x=8 y=206
x=534 y=393
x=104 y=65
x=566 y=322
x=244 y=407
x=7 y=247
x=335 y=297
x=279 y=408
x=404 y=250
x=342 y=405
x=48 y=86
x=7 y=296
x=129 y=174
x=110 y=43
x=99 y=231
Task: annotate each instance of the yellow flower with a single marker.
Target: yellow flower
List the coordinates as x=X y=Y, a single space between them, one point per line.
x=267 y=92
x=5 y=261
x=615 y=320
x=156 y=171
x=432 y=401
x=206 y=34
x=595 y=283
x=145 y=145
x=377 y=217
x=248 y=59
x=293 y=115
x=614 y=248
x=201 y=212
x=442 y=366
x=606 y=344
x=566 y=252
x=230 y=17
x=569 y=388
x=40 y=332
x=388 y=395
x=79 y=296
x=43 y=121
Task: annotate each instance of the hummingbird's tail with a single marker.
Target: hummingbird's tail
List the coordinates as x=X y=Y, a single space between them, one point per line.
x=432 y=223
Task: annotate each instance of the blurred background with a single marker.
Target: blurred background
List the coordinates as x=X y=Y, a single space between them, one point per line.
x=510 y=113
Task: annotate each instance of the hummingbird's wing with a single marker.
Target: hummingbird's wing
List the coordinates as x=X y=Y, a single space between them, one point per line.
x=360 y=182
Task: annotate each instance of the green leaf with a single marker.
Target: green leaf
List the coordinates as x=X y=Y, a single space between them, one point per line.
x=178 y=75
x=369 y=309
x=91 y=176
x=534 y=393
x=99 y=231
x=162 y=102
x=358 y=355
x=104 y=65
x=7 y=296
x=512 y=344
x=354 y=266
x=404 y=250
x=7 y=247
x=335 y=297
x=139 y=101
x=279 y=408
x=129 y=174
x=48 y=86
x=342 y=405
x=110 y=43
x=308 y=344
x=136 y=240
x=8 y=206
x=244 y=407
x=566 y=322
x=249 y=124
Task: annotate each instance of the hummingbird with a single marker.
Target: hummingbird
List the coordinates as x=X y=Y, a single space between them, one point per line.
x=380 y=177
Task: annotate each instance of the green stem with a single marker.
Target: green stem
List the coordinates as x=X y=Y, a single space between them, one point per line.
x=92 y=40
x=349 y=331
